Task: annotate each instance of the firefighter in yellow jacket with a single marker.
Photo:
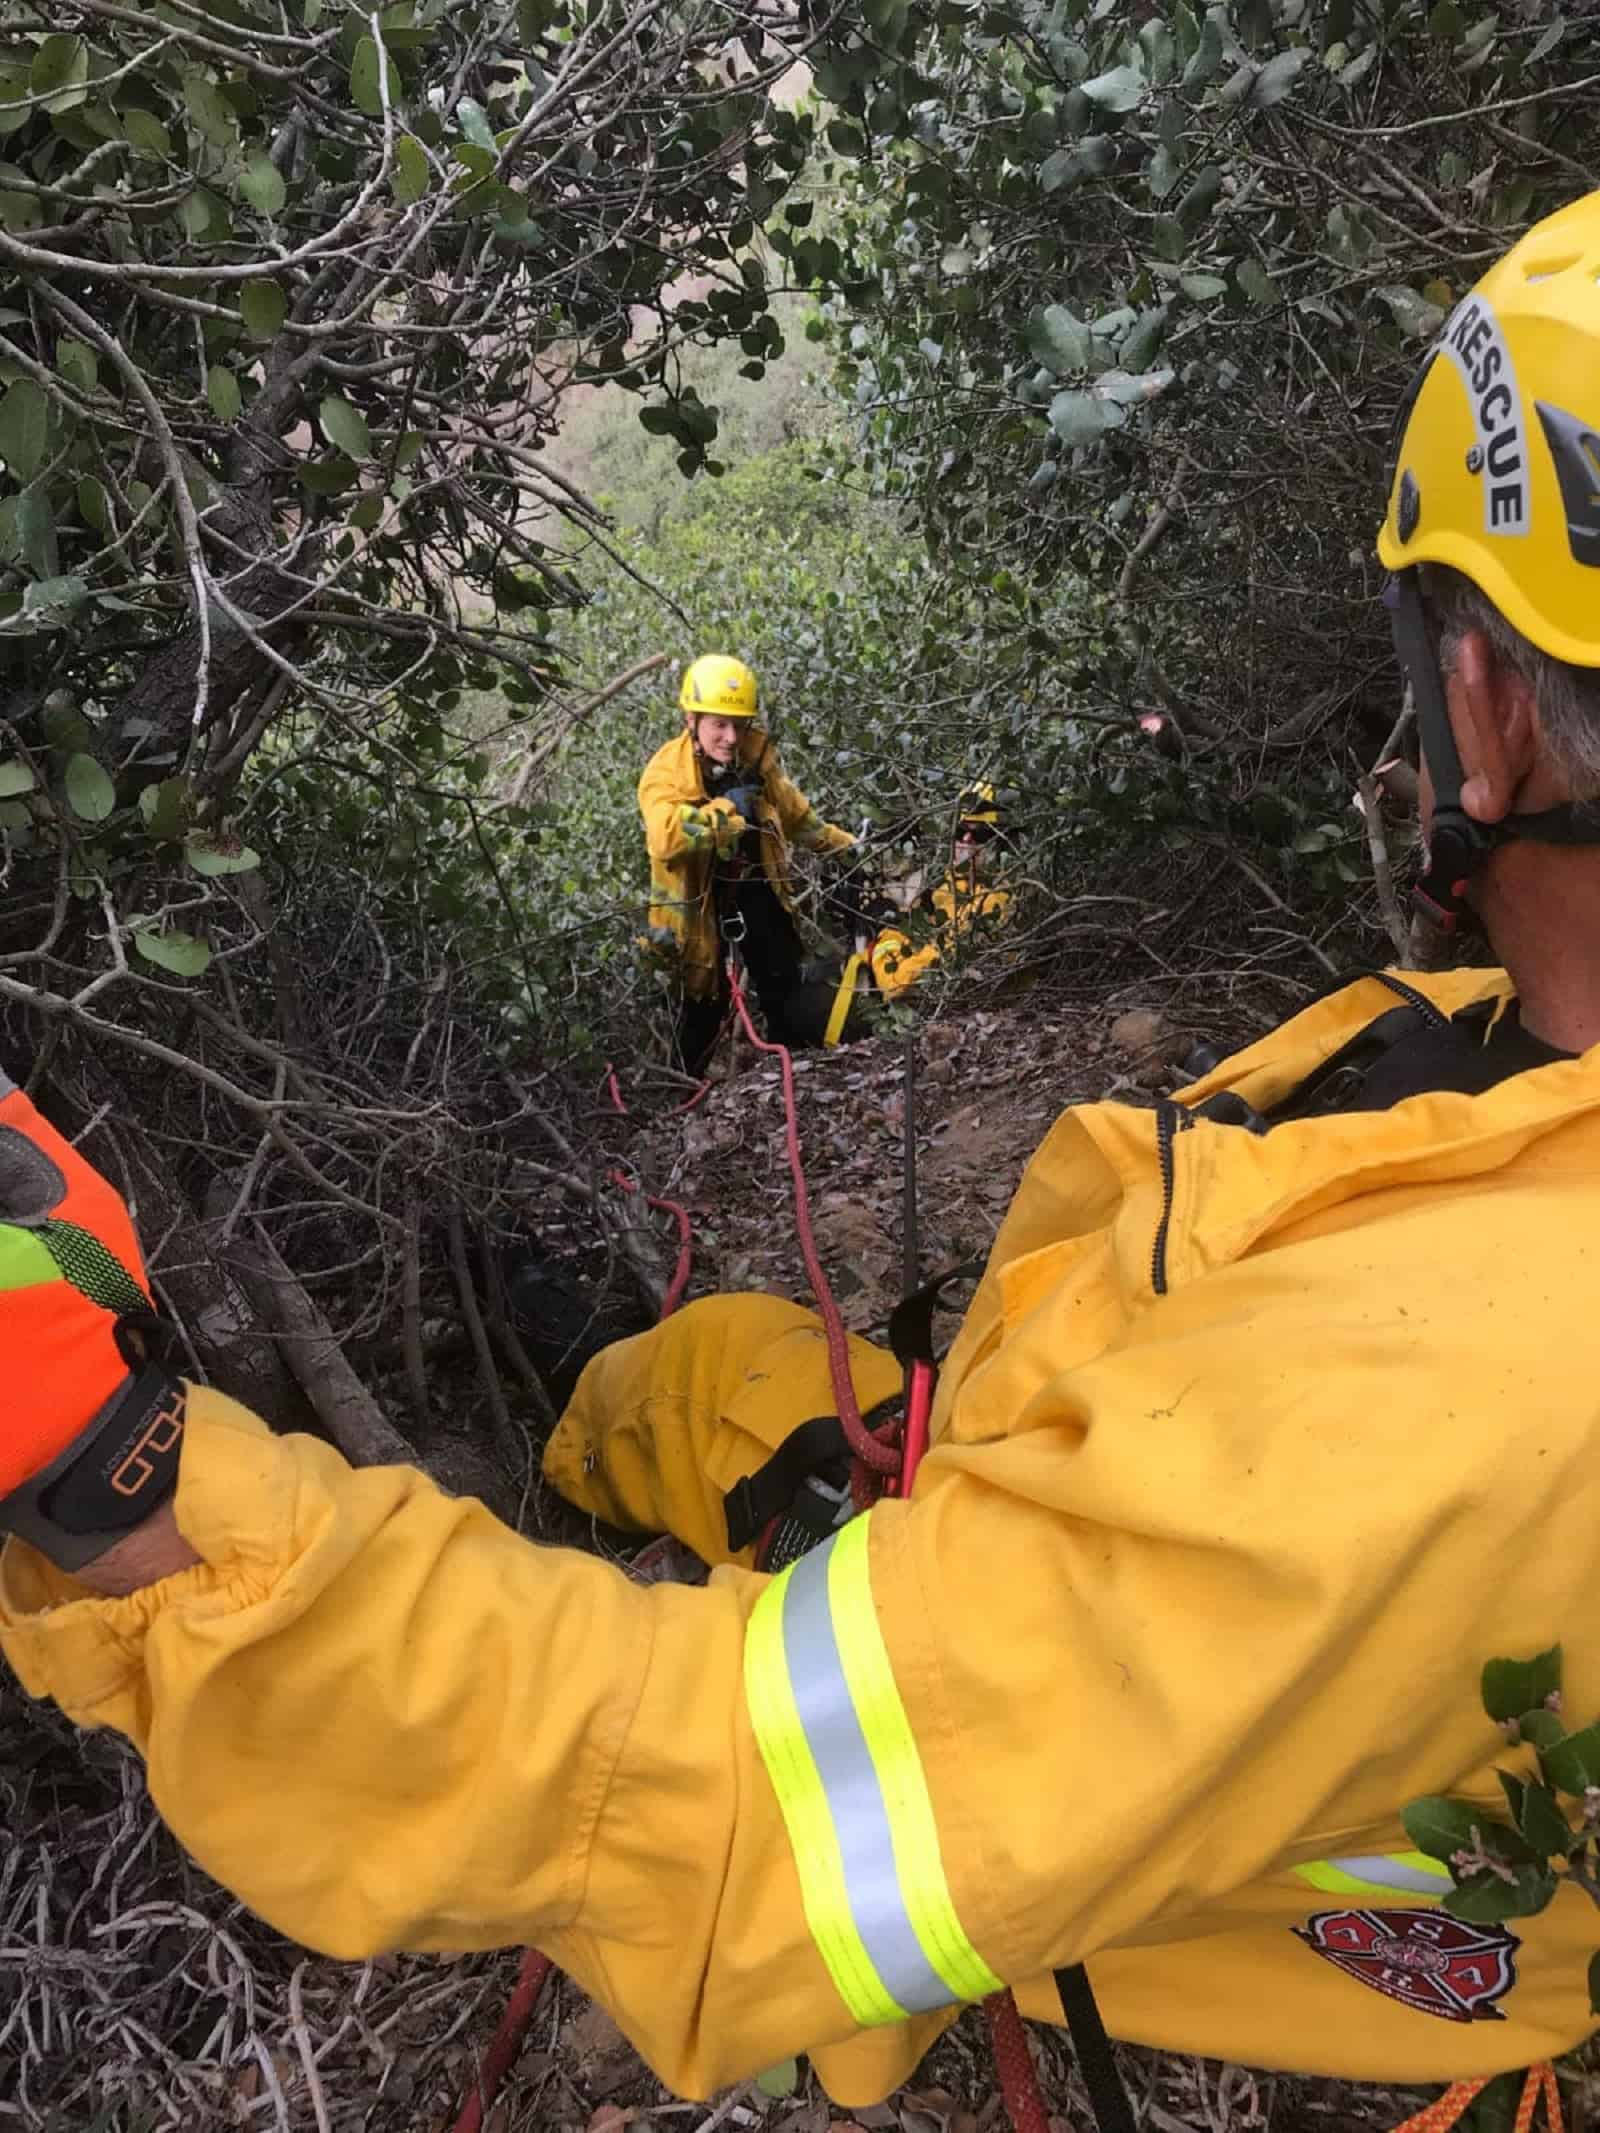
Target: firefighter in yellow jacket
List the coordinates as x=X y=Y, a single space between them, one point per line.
x=1274 y=1416
x=967 y=899
x=719 y=815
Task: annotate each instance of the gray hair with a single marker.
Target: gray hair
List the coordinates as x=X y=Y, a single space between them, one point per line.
x=1568 y=697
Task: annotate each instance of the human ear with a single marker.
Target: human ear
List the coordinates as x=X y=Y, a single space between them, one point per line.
x=1496 y=725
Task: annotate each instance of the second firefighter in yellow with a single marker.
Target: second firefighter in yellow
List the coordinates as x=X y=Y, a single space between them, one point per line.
x=720 y=813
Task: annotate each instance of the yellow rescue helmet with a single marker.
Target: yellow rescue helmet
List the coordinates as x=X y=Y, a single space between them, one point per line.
x=980 y=803
x=1497 y=471
x=716 y=686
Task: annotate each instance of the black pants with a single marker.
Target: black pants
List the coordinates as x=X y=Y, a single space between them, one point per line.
x=772 y=954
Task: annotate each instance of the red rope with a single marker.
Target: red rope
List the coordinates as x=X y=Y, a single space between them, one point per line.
x=1449 y=2109
x=613 y=1089
x=680 y=1215
x=502 y=2053
x=873 y=1451
x=1019 y=2077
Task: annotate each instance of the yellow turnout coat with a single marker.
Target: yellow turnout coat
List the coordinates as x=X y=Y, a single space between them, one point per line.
x=1249 y=1452
x=686 y=833
x=959 y=903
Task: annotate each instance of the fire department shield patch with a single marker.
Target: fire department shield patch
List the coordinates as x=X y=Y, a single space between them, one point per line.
x=1428 y=1961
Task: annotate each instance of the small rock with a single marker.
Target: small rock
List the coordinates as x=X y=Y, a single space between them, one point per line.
x=1143 y=1033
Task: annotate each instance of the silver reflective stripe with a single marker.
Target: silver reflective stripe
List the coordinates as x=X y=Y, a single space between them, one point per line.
x=850 y=1778
x=7 y=1086
x=1387 y=1873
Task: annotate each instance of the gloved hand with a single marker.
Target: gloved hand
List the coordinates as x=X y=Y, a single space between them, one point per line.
x=89 y=1426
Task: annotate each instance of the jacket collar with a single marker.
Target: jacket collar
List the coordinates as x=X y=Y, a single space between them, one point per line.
x=1230 y=1188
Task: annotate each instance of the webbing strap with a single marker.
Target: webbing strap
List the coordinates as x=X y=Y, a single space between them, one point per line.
x=839 y=1013
x=750 y=1504
x=1096 y=2059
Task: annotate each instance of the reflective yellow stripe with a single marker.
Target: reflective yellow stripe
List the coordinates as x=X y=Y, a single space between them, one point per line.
x=25 y=1262
x=840 y=1009
x=1379 y=1876
x=919 y=1866
x=803 y=1803
x=839 y=1749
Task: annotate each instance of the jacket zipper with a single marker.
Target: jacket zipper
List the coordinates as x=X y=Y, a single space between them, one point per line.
x=1171 y=1120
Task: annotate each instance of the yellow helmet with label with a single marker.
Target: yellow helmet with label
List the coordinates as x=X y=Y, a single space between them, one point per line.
x=716 y=686
x=1497 y=473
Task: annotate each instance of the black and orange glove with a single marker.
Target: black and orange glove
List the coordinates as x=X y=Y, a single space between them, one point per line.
x=90 y=1422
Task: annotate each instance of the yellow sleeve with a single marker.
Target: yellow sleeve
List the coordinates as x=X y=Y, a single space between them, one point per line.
x=896 y=965
x=676 y=829
x=386 y=1721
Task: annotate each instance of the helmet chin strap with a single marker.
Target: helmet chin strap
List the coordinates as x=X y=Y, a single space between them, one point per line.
x=1458 y=846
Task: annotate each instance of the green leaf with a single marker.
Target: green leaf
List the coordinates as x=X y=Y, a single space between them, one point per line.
x=1413 y=314
x=24 y=429
x=47 y=604
x=1256 y=283
x=1079 y=418
x=146 y=134
x=34 y=529
x=1206 y=61
x=205 y=217
x=1512 y=1686
x=214 y=852
x=166 y=808
x=1486 y=1900
x=1278 y=77
x=263 y=307
x=345 y=426
x=1516 y=1791
x=1120 y=89
x=366 y=83
x=412 y=173
x=1138 y=351
x=1573 y=1762
x=1445 y=22
x=262 y=184
x=1170 y=239
x=1058 y=339
x=1202 y=287
x=474 y=124
x=1541 y=1728
x=210 y=110
x=60 y=63
x=65 y=726
x=222 y=391
x=1542 y=1823
x=15 y=779
x=780 y=2080
x=1359 y=68
x=1201 y=197
x=90 y=792
x=1162 y=172
x=178 y=952
x=1442 y=1827
x=78 y=363
x=329 y=475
